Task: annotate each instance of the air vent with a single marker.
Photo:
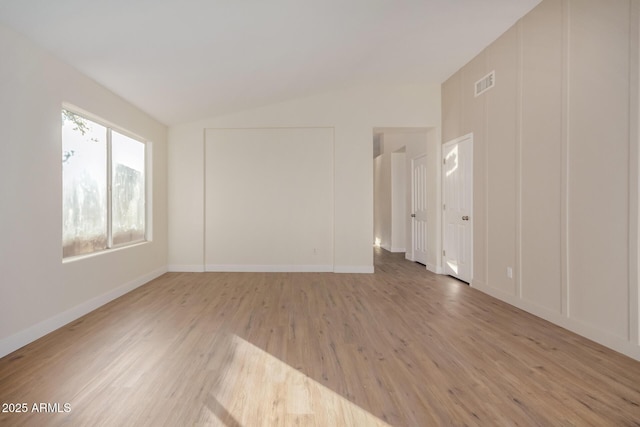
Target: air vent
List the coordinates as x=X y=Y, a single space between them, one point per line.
x=485 y=83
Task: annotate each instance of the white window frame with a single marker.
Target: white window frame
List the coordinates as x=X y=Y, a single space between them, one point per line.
x=109 y=174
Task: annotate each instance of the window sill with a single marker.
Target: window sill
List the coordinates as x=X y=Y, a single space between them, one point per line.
x=105 y=251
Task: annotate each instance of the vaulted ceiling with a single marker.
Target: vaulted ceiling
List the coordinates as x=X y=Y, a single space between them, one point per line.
x=189 y=59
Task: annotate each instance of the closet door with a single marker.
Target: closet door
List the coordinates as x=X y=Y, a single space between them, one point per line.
x=457 y=195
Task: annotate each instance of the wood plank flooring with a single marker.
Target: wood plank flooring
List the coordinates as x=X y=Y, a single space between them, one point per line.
x=401 y=347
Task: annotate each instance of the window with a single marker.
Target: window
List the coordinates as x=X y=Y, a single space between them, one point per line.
x=103 y=187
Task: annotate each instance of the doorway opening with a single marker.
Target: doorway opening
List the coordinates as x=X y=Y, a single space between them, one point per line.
x=407 y=194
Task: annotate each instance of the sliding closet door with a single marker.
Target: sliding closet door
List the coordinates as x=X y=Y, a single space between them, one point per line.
x=269 y=199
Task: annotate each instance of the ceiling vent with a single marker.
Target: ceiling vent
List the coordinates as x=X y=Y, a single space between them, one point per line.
x=485 y=83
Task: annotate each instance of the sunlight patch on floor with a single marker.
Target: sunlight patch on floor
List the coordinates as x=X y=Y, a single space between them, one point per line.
x=253 y=385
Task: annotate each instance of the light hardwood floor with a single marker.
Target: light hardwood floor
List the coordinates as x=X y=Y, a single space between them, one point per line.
x=400 y=347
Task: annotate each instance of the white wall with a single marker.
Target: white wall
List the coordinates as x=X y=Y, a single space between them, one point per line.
x=382 y=200
x=269 y=199
x=38 y=292
x=556 y=166
x=353 y=113
x=391 y=191
x=399 y=194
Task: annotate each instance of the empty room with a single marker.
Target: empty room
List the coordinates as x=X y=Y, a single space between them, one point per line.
x=320 y=213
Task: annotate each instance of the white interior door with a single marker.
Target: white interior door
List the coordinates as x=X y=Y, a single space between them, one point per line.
x=457 y=195
x=419 y=208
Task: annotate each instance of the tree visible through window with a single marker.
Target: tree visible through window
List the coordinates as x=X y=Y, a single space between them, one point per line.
x=103 y=191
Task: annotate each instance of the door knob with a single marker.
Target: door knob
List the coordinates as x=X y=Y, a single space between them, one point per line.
x=465 y=218
x=413 y=215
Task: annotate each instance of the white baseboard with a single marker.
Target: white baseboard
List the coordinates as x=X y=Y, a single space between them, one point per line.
x=24 y=337
x=365 y=269
x=398 y=249
x=360 y=269
x=270 y=268
x=604 y=338
x=435 y=269
x=176 y=268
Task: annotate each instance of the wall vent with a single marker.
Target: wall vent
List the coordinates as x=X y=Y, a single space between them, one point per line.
x=485 y=83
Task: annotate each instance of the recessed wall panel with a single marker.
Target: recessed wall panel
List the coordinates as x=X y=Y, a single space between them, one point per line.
x=269 y=199
x=598 y=151
x=502 y=140
x=541 y=156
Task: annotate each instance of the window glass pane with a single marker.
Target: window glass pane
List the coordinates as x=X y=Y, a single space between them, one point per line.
x=128 y=195
x=84 y=185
